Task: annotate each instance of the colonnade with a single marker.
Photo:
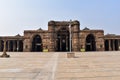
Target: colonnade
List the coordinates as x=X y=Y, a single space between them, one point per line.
x=112 y=44
x=12 y=45
x=62 y=43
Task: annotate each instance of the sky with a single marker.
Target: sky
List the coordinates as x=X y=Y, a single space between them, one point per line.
x=19 y=15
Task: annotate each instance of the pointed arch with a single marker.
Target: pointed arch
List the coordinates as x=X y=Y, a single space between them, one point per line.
x=37 y=44
x=90 y=43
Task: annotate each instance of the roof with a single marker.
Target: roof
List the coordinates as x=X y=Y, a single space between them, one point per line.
x=86 y=28
x=111 y=36
x=18 y=35
x=40 y=29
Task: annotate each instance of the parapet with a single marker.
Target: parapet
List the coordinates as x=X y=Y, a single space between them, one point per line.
x=51 y=23
x=76 y=22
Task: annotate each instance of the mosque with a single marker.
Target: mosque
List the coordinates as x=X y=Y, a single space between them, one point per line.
x=58 y=38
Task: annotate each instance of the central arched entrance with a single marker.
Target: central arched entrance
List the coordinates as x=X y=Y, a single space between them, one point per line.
x=90 y=43
x=62 y=40
x=37 y=44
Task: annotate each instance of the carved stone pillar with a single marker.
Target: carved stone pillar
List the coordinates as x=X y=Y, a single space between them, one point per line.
x=118 y=44
x=109 y=45
x=66 y=43
x=113 y=45
x=17 y=45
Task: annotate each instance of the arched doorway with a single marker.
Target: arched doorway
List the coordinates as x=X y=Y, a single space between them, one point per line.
x=62 y=40
x=37 y=44
x=90 y=43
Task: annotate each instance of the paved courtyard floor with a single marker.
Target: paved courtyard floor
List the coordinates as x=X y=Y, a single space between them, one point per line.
x=56 y=66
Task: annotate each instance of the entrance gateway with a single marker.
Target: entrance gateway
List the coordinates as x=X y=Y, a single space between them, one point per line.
x=57 y=38
x=63 y=40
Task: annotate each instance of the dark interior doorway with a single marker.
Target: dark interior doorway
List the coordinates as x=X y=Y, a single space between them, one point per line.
x=106 y=45
x=112 y=44
x=90 y=43
x=21 y=45
x=11 y=45
x=62 y=40
x=116 y=45
x=2 y=45
x=37 y=44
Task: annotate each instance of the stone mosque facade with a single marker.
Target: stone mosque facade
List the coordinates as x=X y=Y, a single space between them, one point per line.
x=57 y=39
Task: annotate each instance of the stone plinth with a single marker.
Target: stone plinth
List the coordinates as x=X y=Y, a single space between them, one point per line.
x=70 y=55
x=4 y=56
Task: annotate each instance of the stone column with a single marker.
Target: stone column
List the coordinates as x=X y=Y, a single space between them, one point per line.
x=118 y=44
x=4 y=50
x=67 y=43
x=17 y=45
x=113 y=45
x=109 y=45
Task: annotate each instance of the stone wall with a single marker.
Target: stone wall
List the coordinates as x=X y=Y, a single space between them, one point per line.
x=98 y=35
x=57 y=38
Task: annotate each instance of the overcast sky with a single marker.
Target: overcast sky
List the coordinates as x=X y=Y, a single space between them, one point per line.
x=19 y=15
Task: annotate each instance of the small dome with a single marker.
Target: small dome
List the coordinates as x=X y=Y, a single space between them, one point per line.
x=86 y=28
x=40 y=29
x=18 y=35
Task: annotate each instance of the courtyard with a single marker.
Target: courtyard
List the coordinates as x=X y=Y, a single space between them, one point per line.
x=56 y=66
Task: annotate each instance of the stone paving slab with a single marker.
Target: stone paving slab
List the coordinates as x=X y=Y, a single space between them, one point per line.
x=56 y=66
